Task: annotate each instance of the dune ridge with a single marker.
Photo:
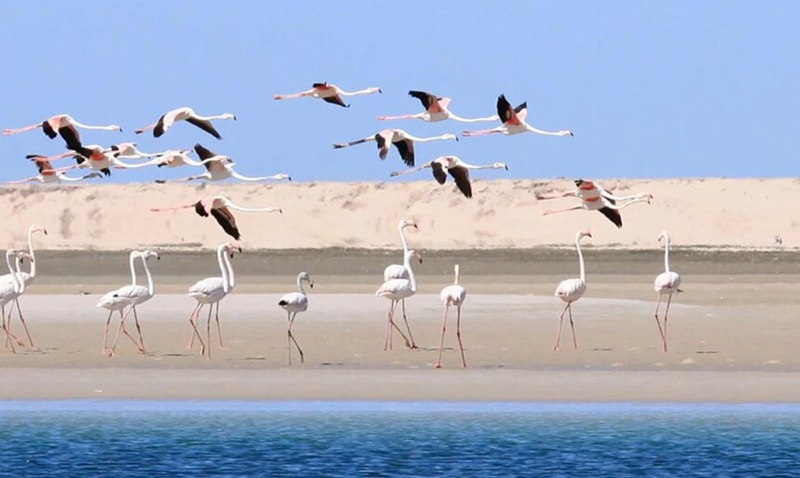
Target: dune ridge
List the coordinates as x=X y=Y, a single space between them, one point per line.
x=504 y=214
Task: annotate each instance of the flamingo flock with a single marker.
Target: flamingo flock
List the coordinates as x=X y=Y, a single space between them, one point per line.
x=399 y=281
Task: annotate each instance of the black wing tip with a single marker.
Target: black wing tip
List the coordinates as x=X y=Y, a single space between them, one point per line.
x=282 y=303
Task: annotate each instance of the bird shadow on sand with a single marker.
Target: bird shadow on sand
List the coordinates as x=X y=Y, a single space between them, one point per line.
x=706 y=352
x=174 y=354
x=601 y=349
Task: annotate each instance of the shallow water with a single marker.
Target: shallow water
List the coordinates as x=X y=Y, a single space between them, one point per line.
x=204 y=438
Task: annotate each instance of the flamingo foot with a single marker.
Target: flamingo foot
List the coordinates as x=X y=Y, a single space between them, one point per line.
x=556 y=348
x=438 y=365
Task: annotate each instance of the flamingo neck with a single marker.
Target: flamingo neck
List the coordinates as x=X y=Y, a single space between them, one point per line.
x=300 y=286
x=132 y=261
x=455 y=282
x=666 y=253
x=226 y=286
x=17 y=286
x=405 y=244
x=30 y=251
x=411 y=276
x=580 y=259
x=150 y=286
x=231 y=277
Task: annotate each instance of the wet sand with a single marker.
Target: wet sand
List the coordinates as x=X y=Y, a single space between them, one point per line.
x=733 y=333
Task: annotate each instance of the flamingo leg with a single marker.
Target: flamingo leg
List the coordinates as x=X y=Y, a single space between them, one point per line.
x=400 y=117
x=138 y=330
x=22 y=319
x=458 y=335
x=9 y=132
x=219 y=330
x=208 y=330
x=196 y=311
x=394 y=324
x=291 y=322
x=9 y=335
x=405 y=319
x=388 y=327
x=658 y=322
x=572 y=326
x=573 y=208
x=480 y=132
x=145 y=128
x=289 y=334
x=666 y=313
x=113 y=348
x=5 y=329
x=124 y=330
x=441 y=341
x=105 y=333
x=557 y=344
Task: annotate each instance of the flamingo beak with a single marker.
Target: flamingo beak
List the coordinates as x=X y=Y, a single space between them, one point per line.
x=234 y=118
x=506 y=168
x=380 y=90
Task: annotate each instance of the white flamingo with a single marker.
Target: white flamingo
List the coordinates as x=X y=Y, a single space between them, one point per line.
x=211 y=291
x=457 y=168
x=114 y=302
x=668 y=282
x=130 y=151
x=11 y=290
x=293 y=303
x=28 y=279
x=328 y=93
x=514 y=122
x=185 y=114
x=401 y=140
x=396 y=290
x=570 y=290
x=91 y=156
x=594 y=198
x=136 y=295
x=436 y=109
x=400 y=271
x=49 y=175
x=219 y=168
x=64 y=125
x=452 y=295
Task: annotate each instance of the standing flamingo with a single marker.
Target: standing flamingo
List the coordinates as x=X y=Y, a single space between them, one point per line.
x=668 y=283
x=11 y=290
x=457 y=168
x=293 y=303
x=136 y=295
x=114 y=302
x=570 y=290
x=514 y=122
x=401 y=140
x=65 y=126
x=594 y=198
x=219 y=168
x=27 y=278
x=435 y=110
x=452 y=295
x=187 y=114
x=396 y=290
x=217 y=206
x=401 y=271
x=211 y=291
x=48 y=174
x=328 y=93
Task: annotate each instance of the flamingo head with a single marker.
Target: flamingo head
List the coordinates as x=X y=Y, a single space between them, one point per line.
x=148 y=254
x=37 y=228
x=282 y=176
x=232 y=247
x=412 y=253
x=583 y=234
x=499 y=165
x=305 y=277
x=450 y=136
x=663 y=235
x=229 y=116
x=408 y=223
x=374 y=89
x=115 y=127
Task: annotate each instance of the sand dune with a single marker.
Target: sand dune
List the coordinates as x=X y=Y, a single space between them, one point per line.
x=503 y=214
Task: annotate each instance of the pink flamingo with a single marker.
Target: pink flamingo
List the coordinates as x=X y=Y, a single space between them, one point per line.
x=218 y=168
x=91 y=156
x=130 y=151
x=48 y=174
x=436 y=109
x=457 y=168
x=514 y=121
x=396 y=290
x=185 y=114
x=666 y=283
x=595 y=198
x=452 y=295
x=328 y=93
x=401 y=140
x=219 y=207
x=569 y=291
x=63 y=125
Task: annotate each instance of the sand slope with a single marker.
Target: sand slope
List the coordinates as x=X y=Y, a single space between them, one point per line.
x=503 y=214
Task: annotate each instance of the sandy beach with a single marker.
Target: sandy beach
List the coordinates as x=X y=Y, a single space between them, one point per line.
x=733 y=333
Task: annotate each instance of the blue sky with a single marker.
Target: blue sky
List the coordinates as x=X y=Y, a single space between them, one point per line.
x=651 y=89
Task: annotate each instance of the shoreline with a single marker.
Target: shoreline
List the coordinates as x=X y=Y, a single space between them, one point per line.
x=403 y=385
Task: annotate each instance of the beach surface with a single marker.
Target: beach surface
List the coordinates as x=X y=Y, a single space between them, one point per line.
x=733 y=333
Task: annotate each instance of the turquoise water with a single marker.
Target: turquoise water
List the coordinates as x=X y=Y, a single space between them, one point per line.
x=382 y=439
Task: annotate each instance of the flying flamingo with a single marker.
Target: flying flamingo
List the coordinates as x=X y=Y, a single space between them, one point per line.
x=328 y=93
x=400 y=271
x=570 y=290
x=452 y=295
x=48 y=174
x=436 y=110
x=136 y=295
x=203 y=122
x=595 y=198
x=11 y=290
x=293 y=303
x=130 y=151
x=91 y=156
x=457 y=168
x=514 y=121
x=219 y=168
x=114 y=302
x=211 y=291
x=403 y=141
x=396 y=290
x=174 y=158
x=218 y=206
x=668 y=283
x=63 y=125
x=27 y=278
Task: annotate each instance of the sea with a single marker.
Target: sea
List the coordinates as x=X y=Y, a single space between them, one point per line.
x=92 y=438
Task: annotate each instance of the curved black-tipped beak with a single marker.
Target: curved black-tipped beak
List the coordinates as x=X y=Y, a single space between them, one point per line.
x=380 y=90
x=456 y=138
x=289 y=178
x=311 y=284
x=44 y=231
x=571 y=133
x=234 y=118
x=506 y=167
